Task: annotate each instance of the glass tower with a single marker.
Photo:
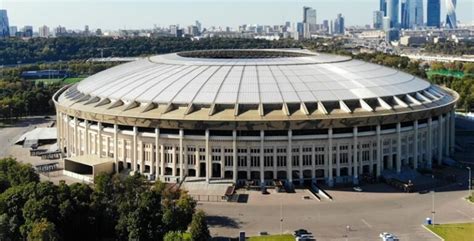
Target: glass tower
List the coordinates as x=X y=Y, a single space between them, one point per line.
x=392 y=12
x=4 y=26
x=451 y=21
x=434 y=13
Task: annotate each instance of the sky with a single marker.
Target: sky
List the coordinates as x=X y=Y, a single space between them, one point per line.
x=139 y=14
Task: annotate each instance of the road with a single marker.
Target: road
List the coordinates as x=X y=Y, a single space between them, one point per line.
x=367 y=214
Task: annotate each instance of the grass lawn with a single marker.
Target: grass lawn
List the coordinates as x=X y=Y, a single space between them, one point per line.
x=457 y=74
x=284 y=237
x=73 y=80
x=454 y=232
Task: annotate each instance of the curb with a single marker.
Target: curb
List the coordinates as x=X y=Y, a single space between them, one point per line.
x=432 y=232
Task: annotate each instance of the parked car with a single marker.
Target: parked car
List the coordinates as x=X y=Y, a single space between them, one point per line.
x=388 y=237
x=300 y=232
x=357 y=189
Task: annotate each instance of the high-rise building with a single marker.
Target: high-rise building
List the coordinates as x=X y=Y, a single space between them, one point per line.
x=433 y=13
x=386 y=23
x=43 y=31
x=383 y=7
x=27 y=31
x=393 y=8
x=339 y=27
x=378 y=20
x=326 y=25
x=4 y=26
x=415 y=13
x=451 y=21
x=13 y=31
x=199 y=26
x=404 y=14
x=309 y=21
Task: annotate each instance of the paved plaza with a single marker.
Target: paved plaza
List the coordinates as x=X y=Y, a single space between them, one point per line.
x=367 y=213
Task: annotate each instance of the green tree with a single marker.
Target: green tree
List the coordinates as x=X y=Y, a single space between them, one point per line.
x=199 y=230
x=174 y=236
x=43 y=231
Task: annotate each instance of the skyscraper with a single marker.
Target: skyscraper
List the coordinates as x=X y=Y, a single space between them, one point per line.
x=451 y=21
x=433 y=13
x=4 y=26
x=392 y=12
x=43 y=31
x=383 y=7
x=309 y=21
x=378 y=19
x=339 y=27
x=415 y=13
x=404 y=14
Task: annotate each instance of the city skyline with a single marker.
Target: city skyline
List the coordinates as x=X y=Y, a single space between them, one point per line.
x=34 y=12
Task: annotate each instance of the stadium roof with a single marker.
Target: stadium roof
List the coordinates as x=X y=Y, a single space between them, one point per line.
x=268 y=79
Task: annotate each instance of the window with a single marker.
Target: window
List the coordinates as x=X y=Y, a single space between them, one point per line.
x=268 y=161
x=307 y=160
x=255 y=161
x=242 y=161
x=228 y=161
x=319 y=158
x=281 y=161
x=296 y=161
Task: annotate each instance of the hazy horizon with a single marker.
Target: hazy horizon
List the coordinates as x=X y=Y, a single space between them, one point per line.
x=142 y=14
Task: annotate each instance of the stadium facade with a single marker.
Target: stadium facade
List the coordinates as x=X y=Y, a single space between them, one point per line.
x=257 y=115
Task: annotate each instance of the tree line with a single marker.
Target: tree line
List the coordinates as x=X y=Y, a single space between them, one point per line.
x=115 y=208
x=14 y=51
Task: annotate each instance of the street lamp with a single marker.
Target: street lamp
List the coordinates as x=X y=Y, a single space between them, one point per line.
x=433 y=202
x=469 y=183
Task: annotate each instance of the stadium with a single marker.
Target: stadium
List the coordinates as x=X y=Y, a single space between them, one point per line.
x=260 y=115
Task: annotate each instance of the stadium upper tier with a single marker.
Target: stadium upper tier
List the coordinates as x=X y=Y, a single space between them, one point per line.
x=225 y=84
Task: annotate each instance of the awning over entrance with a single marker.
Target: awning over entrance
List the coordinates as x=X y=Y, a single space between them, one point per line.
x=87 y=167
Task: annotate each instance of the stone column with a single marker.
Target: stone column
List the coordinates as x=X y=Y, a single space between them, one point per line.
x=313 y=163
x=76 y=137
x=379 y=152
x=415 y=143
x=429 y=144
x=116 y=148
x=330 y=180
x=157 y=153
x=399 y=148
x=182 y=165
x=452 y=131
x=99 y=137
x=68 y=134
x=289 y=164
x=208 y=158
x=446 y=126
x=162 y=160
x=355 y=173
x=440 y=140
x=371 y=158
x=301 y=164
x=175 y=160
x=234 y=156
x=141 y=156
x=198 y=163
x=262 y=142
x=338 y=159
x=134 y=149
x=275 y=162
x=87 y=147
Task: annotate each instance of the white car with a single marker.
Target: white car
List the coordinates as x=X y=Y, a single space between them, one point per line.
x=388 y=237
x=357 y=189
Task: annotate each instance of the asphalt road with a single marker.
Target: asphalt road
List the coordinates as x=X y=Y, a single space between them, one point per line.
x=367 y=214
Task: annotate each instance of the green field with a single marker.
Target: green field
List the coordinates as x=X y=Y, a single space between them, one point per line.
x=71 y=80
x=457 y=74
x=284 y=237
x=454 y=232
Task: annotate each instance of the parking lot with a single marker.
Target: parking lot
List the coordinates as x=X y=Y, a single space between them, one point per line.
x=379 y=208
